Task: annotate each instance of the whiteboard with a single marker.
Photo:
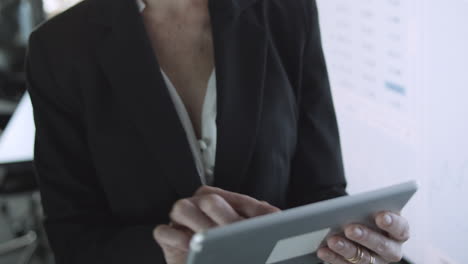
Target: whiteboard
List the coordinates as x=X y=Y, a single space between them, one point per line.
x=17 y=140
x=399 y=76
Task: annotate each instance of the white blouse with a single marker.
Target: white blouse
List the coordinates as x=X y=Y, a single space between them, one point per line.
x=204 y=149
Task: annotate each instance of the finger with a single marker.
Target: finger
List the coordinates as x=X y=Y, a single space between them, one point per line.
x=243 y=204
x=396 y=225
x=167 y=236
x=387 y=248
x=217 y=209
x=331 y=257
x=348 y=249
x=342 y=246
x=185 y=213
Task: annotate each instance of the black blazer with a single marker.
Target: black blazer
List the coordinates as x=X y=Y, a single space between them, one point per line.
x=111 y=153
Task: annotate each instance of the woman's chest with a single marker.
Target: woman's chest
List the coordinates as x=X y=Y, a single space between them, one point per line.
x=185 y=53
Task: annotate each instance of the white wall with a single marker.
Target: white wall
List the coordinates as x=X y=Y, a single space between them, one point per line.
x=399 y=74
x=17 y=141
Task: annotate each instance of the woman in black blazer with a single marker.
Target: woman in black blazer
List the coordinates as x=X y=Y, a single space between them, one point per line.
x=112 y=157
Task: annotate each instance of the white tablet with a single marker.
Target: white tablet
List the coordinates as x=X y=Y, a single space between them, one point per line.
x=293 y=236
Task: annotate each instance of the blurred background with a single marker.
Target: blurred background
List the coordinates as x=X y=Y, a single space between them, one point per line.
x=22 y=239
x=399 y=76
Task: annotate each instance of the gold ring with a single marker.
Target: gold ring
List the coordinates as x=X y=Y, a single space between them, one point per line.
x=359 y=255
x=356 y=257
x=372 y=258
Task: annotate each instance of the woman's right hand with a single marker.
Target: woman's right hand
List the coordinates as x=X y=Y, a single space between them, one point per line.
x=208 y=208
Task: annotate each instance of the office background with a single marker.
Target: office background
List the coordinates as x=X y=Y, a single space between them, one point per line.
x=399 y=75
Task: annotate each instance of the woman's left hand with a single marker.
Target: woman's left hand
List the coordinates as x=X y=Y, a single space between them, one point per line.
x=385 y=246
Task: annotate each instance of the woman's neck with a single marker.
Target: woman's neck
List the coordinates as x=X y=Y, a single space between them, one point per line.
x=191 y=10
x=176 y=6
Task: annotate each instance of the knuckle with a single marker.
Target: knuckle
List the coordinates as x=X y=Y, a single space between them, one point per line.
x=211 y=202
x=265 y=208
x=203 y=189
x=259 y=209
x=383 y=246
x=180 y=206
x=214 y=198
x=158 y=232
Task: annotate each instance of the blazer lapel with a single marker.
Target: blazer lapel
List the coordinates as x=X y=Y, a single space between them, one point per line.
x=131 y=67
x=128 y=60
x=240 y=53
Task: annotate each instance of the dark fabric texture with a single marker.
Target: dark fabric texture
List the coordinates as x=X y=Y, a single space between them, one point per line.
x=111 y=154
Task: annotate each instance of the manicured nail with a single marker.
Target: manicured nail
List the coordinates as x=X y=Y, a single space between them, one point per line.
x=387 y=219
x=339 y=245
x=357 y=232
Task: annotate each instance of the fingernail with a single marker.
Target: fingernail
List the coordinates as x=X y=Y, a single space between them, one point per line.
x=339 y=244
x=387 y=219
x=357 y=232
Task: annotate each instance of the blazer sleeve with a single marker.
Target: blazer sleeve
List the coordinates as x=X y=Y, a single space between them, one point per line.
x=317 y=169
x=79 y=224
